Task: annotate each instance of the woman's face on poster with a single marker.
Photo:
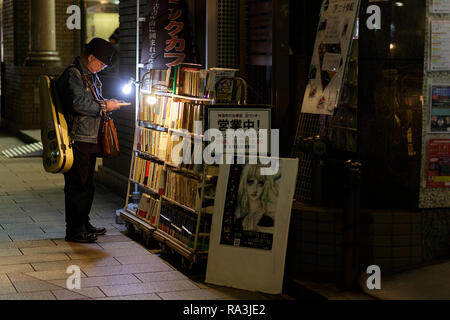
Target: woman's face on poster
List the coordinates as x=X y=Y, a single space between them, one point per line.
x=255 y=188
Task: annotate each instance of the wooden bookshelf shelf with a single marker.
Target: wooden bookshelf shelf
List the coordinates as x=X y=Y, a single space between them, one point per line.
x=155 y=126
x=145 y=187
x=186 y=135
x=179 y=205
x=148 y=156
x=136 y=221
x=152 y=126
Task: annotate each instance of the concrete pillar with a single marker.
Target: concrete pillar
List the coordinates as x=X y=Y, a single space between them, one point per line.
x=43 y=34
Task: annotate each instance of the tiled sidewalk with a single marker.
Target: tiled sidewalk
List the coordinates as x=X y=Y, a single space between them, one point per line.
x=34 y=257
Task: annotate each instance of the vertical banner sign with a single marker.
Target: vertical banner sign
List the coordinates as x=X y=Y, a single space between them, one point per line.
x=329 y=61
x=438 y=164
x=167 y=39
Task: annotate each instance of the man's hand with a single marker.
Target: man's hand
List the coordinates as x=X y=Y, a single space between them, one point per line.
x=112 y=105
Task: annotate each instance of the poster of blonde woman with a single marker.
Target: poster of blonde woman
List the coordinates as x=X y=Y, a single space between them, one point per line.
x=250 y=226
x=250 y=213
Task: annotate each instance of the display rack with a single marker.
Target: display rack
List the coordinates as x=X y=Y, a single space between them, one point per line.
x=180 y=194
x=179 y=222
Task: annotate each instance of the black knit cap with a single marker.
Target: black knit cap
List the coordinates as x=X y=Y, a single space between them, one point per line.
x=101 y=49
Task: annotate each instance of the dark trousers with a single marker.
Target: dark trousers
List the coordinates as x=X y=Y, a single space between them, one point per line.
x=79 y=190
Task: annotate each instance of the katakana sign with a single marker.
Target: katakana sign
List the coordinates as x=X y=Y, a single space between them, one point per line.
x=167 y=40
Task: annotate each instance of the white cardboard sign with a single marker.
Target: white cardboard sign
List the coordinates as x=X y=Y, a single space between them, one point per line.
x=249 y=237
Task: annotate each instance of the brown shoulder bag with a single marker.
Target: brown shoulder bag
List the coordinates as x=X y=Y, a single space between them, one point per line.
x=110 y=142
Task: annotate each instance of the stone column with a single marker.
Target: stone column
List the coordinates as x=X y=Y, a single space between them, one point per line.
x=43 y=34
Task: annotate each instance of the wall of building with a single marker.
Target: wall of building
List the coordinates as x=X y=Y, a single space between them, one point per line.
x=431 y=198
x=21 y=82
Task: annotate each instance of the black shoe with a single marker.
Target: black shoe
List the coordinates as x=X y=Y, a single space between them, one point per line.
x=96 y=231
x=82 y=237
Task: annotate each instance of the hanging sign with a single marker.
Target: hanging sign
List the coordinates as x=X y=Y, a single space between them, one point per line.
x=329 y=62
x=250 y=225
x=167 y=39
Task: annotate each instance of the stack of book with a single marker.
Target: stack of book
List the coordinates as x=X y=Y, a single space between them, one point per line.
x=182 y=227
x=148 y=209
x=158 y=80
x=153 y=142
x=183 y=115
x=150 y=174
x=158 y=113
x=182 y=189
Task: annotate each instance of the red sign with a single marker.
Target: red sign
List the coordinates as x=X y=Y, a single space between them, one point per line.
x=438 y=164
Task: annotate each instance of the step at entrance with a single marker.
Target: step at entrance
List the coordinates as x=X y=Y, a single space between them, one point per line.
x=26 y=151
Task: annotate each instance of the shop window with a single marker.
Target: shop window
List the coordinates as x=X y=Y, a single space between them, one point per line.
x=102 y=18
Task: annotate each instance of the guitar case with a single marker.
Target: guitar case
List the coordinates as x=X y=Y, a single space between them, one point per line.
x=57 y=154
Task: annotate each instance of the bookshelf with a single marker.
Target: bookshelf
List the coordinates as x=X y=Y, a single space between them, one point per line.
x=169 y=201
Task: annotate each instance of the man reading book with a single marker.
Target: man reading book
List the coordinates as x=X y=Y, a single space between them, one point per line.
x=80 y=90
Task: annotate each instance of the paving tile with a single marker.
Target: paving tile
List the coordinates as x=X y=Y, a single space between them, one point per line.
x=148 y=258
x=10 y=252
x=12 y=268
x=125 y=244
x=25 y=283
x=62 y=249
x=82 y=294
x=26 y=244
x=114 y=252
x=102 y=281
x=25 y=237
x=199 y=294
x=33 y=258
x=40 y=295
x=125 y=269
x=85 y=263
x=48 y=218
x=160 y=276
x=143 y=297
x=18 y=219
x=4 y=239
x=51 y=275
x=23 y=230
x=113 y=238
x=152 y=287
x=6 y=285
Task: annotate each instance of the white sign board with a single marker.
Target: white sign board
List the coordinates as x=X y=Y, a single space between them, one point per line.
x=240 y=118
x=329 y=61
x=440 y=6
x=250 y=227
x=440 y=45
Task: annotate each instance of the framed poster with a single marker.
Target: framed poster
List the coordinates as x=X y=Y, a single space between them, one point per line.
x=440 y=6
x=440 y=109
x=438 y=175
x=440 y=45
x=237 y=117
x=330 y=56
x=250 y=226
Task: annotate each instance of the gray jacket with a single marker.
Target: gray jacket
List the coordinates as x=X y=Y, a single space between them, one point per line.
x=82 y=110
